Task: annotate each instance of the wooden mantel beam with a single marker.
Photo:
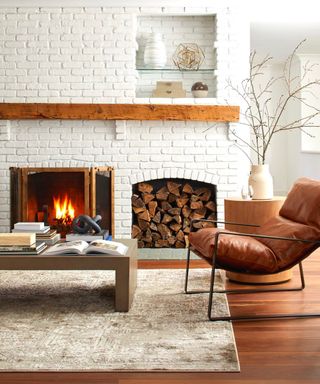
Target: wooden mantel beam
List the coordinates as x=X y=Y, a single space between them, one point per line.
x=16 y=111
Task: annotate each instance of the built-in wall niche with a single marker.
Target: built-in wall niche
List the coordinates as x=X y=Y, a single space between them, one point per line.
x=162 y=211
x=57 y=195
x=174 y=30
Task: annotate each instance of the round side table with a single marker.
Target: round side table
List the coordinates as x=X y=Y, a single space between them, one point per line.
x=256 y=212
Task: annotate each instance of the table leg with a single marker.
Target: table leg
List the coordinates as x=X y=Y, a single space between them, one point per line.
x=126 y=280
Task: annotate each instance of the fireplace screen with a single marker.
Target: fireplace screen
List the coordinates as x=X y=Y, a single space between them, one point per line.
x=57 y=195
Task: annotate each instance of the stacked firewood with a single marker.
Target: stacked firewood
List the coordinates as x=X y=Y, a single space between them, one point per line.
x=162 y=218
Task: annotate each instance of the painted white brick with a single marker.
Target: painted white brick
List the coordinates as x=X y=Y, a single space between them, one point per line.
x=88 y=55
x=160 y=173
x=4 y=130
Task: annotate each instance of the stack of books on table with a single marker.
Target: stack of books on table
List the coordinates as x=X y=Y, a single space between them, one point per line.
x=20 y=244
x=43 y=232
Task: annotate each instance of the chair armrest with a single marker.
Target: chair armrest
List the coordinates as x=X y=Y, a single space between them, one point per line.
x=266 y=237
x=219 y=222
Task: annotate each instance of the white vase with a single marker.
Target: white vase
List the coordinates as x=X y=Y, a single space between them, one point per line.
x=261 y=182
x=155 y=55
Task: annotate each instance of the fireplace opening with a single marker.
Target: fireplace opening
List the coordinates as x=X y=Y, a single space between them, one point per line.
x=162 y=210
x=57 y=195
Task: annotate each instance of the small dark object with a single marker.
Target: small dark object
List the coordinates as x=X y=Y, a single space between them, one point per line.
x=84 y=223
x=43 y=215
x=199 y=86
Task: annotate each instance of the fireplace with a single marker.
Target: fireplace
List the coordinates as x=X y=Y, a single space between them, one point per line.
x=162 y=210
x=57 y=195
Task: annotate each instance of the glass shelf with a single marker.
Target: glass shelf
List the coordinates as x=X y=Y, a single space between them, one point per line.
x=175 y=70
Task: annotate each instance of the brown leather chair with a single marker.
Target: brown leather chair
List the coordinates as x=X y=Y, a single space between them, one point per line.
x=281 y=243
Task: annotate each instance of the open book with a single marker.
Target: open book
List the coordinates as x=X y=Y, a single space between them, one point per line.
x=81 y=247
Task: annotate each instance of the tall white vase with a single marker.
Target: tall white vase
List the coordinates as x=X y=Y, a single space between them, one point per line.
x=261 y=181
x=155 y=54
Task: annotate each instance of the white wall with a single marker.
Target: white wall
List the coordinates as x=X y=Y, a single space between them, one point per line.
x=303 y=163
x=287 y=161
x=277 y=156
x=87 y=55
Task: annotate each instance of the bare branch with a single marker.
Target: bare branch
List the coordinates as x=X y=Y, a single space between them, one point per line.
x=257 y=99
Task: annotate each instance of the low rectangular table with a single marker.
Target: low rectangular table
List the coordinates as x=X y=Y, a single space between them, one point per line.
x=125 y=267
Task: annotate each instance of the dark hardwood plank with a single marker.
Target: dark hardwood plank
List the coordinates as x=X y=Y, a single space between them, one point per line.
x=271 y=352
x=11 y=111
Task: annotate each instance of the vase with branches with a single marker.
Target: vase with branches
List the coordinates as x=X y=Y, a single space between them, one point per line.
x=265 y=113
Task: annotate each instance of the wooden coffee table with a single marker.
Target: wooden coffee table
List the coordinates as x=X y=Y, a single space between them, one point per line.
x=125 y=267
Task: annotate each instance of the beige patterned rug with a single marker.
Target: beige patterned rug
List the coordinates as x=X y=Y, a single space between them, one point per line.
x=64 y=320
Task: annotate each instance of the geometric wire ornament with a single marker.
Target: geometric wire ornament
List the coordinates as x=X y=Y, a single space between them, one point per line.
x=188 y=56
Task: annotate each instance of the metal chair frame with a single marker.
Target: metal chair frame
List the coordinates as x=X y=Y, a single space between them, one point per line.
x=215 y=266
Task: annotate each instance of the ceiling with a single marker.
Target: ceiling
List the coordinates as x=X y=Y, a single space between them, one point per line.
x=277 y=26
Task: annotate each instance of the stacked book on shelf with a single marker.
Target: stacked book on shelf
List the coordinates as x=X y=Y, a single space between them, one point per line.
x=43 y=232
x=20 y=244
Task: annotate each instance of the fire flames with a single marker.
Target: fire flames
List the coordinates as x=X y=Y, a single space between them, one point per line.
x=64 y=209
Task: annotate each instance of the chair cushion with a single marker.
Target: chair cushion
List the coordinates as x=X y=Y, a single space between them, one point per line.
x=303 y=202
x=288 y=253
x=239 y=253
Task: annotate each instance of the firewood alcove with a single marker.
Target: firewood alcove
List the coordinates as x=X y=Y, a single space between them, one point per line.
x=162 y=210
x=37 y=194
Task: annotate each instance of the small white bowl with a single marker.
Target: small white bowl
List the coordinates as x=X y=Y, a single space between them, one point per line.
x=200 y=93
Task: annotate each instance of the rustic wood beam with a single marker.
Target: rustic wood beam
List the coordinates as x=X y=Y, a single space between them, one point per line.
x=33 y=111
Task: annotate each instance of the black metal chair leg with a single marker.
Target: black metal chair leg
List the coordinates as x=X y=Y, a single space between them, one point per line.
x=211 y=292
x=260 y=317
x=187 y=277
x=187 y=272
x=245 y=291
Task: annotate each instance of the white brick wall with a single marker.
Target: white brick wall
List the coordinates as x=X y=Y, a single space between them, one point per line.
x=84 y=54
x=66 y=55
x=88 y=55
x=148 y=152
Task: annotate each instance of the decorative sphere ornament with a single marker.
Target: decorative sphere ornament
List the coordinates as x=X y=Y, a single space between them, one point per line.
x=199 y=89
x=188 y=56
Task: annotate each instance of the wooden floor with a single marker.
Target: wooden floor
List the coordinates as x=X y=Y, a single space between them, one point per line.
x=274 y=351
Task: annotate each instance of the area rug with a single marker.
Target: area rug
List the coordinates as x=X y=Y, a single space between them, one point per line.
x=65 y=321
